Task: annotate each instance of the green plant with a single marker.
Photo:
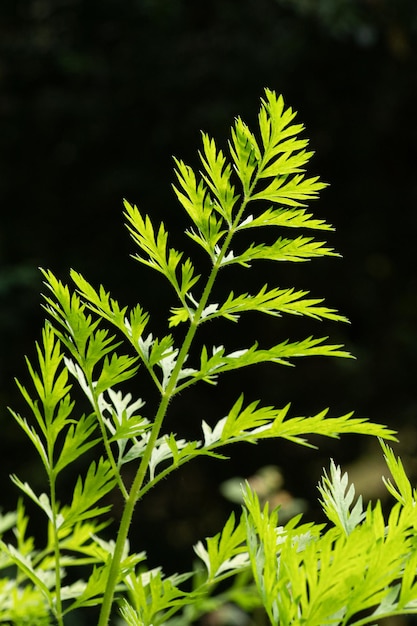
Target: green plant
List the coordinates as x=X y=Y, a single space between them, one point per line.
x=300 y=573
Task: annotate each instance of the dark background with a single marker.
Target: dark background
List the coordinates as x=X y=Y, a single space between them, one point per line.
x=95 y=98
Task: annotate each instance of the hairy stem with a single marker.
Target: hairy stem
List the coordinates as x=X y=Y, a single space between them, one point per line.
x=135 y=491
x=57 y=551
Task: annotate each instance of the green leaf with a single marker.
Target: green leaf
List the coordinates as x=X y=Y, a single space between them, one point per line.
x=23 y=605
x=386 y=550
x=218 y=179
x=160 y=349
x=225 y=552
x=160 y=352
x=42 y=501
x=294 y=250
x=153 y=596
x=305 y=575
x=188 y=277
x=273 y=302
x=265 y=541
x=253 y=423
x=167 y=448
x=179 y=315
x=284 y=217
x=120 y=417
x=288 y=162
x=129 y=614
x=250 y=418
x=33 y=437
x=401 y=489
x=69 y=313
x=51 y=386
x=38 y=577
x=408 y=588
x=282 y=353
x=245 y=154
x=295 y=428
x=89 y=593
x=99 y=301
x=198 y=203
x=196 y=199
x=115 y=370
x=157 y=254
x=7 y=521
x=293 y=191
x=337 y=499
x=131 y=323
x=77 y=441
x=275 y=121
x=98 y=482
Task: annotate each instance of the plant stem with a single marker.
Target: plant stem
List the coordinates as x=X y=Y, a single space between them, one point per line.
x=54 y=523
x=126 y=519
x=135 y=491
x=134 y=494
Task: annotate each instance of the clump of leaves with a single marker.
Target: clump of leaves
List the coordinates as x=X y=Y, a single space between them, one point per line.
x=299 y=573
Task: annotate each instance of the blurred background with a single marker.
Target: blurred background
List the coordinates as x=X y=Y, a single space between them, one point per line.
x=95 y=99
